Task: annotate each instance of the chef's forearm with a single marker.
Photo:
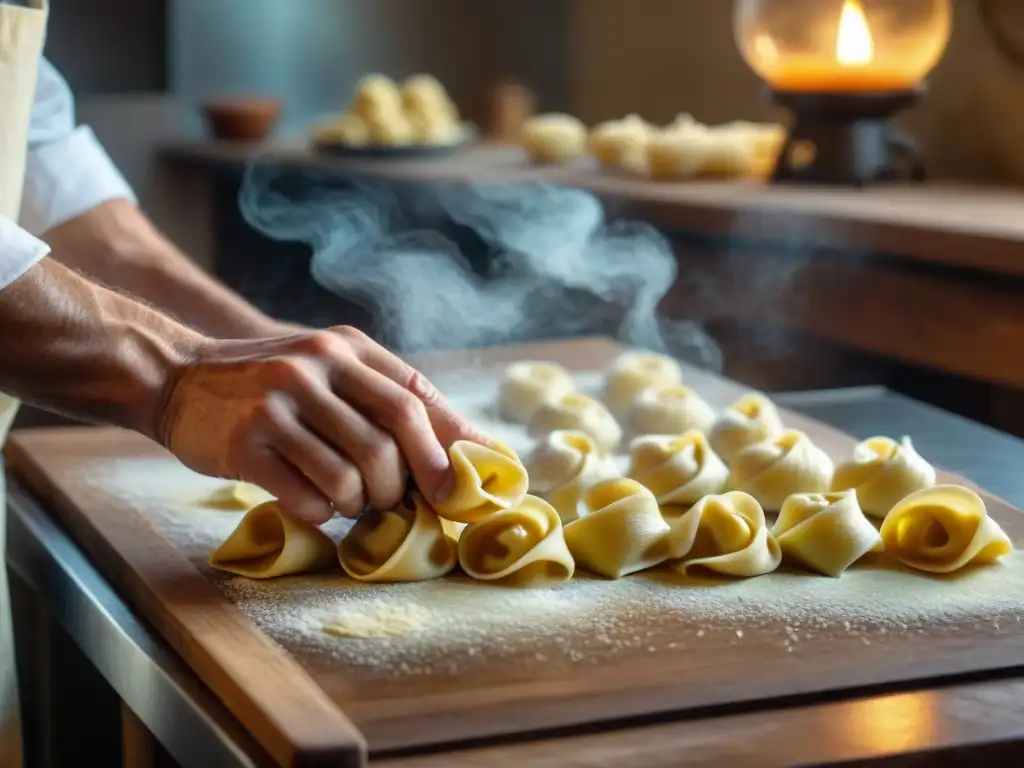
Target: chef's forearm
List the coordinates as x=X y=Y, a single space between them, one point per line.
x=115 y=244
x=76 y=348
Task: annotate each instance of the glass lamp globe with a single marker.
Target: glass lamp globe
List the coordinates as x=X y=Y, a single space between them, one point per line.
x=842 y=46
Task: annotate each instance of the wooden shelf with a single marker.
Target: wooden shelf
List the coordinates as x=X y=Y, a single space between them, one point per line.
x=940 y=223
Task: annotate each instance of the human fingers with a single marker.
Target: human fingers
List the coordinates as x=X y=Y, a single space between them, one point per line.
x=366 y=445
x=332 y=474
x=297 y=495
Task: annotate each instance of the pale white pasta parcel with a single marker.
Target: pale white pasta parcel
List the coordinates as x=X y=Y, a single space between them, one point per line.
x=563 y=465
x=942 y=529
x=554 y=138
x=527 y=385
x=621 y=143
x=727 y=534
x=268 y=543
x=487 y=480
x=774 y=469
x=522 y=547
x=669 y=410
x=751 y=419
x=406 y=543
x=377 y=98
x=580 y=413
x=632 y=373
x=825 y=532
x=623 y=531
x=678 y=469
x=883 y=472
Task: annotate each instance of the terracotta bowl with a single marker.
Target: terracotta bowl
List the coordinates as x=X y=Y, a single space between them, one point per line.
x=241 y=119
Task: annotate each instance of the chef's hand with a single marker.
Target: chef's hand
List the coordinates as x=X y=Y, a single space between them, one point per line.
x=318 y=419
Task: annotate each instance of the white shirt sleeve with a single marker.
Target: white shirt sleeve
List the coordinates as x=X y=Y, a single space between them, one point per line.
x=67 y=170
x=19 y=252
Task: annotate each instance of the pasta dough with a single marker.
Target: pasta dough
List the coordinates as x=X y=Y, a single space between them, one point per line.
x=621 y=143
x=487 y=480
x=402 y=544
x=563 y=466
x=377 y=98
x=826 y=533
x=678 y=153
x=268 y=543
x=623 y=531
x=579 y=413
x=726 y=534
x=236 y=497
x=774 y=469
x=521 y=547
x=679 y=471
x=391 y=129
x=633 y=372
x=424 y=95
x=669 y=410
x=527 y=385
x=749 y=420
x=554 y=138
x=883 y=472
x=942 y=529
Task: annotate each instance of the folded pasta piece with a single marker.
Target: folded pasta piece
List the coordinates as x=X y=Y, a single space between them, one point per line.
x=452 y=529
x=564 y=465
x=679 y=471
x=633 y=372
x=526 y=385
x=521 y=547
x=942 y=529
x=236 y=497
x=774 y=469
x=407 y=543
x=669 y=410
x=487 y=480
x=267 y=543
x=726 y=534
x=578 y=413
x=623 y=531
x=825 y=532
x=751 y=419
x=883 y=472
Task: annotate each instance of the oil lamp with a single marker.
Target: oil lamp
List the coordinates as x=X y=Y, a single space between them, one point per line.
x=843 y=68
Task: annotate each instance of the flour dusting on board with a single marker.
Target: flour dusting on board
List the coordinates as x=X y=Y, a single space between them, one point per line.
x=452 y=625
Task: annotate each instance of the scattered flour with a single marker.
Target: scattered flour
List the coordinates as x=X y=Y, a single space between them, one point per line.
x=453 y=625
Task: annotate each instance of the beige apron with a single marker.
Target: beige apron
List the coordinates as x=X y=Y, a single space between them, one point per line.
x=22 y=34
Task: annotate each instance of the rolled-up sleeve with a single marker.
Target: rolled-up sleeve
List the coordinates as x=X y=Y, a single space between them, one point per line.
x=19 y=251
x=67 y=171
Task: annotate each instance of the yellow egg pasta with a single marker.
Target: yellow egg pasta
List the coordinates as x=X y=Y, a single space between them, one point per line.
x=562 y=466
x=554 y=138
x=407 y=543
x=726 y=534
x=579 y=413
x=236 y=497
x=633 y=372
x=527 y=385
x=943 y=528
x=774 y=469
x=623 y=531
x=487 y=480
x=267 y=543
x=678 y=470
x=520 y=547
x=669 y=410
x=824 y=532
x=753 y=418
x=883 y=472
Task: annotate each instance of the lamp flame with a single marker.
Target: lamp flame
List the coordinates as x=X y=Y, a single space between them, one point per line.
x=854 y=44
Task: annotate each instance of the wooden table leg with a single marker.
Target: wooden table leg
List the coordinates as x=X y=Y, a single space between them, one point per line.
x=138 y=746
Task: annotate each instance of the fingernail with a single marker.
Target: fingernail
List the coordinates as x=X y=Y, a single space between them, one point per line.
x=442 y=493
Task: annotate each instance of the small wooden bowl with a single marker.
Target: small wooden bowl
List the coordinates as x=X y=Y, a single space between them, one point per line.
x=241 y=119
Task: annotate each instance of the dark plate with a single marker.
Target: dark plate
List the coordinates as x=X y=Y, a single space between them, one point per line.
x=467 y=131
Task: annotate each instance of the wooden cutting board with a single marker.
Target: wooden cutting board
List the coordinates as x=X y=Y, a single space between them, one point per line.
x=483 y=663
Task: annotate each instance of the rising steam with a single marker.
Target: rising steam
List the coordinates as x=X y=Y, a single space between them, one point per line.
x=555 y=266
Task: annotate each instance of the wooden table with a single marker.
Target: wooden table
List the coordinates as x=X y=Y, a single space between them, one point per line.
x=965 y=719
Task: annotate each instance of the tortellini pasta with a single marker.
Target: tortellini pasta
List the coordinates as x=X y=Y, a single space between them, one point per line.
x=621 y=143
x=774 y=469
x=527 y=385
x=825 y=532
x=726 y=534
x=883 y=472
x=623 y=531
x=377 y=98
x=522 y=547
x=236 y=497
x=678 y=153
x=402 y=544
x=554 y=138
x=391 y=130
x=942 y=529
x=267 y=543
x=751 y=419
x=563 y=466
x=579 y=413
x=632 y=373
x=487 y=480
x=349 y=129
x=424 y=95
x=669 y=410
x=678 y=470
